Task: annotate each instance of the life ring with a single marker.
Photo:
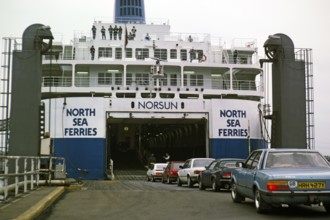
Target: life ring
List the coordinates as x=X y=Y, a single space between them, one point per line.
x=203 y=58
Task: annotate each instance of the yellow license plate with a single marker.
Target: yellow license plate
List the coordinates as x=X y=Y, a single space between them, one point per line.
x=311 y=185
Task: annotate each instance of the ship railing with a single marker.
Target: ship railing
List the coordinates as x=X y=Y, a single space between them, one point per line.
x=25 y=173
x=111 y=20
x=248 y=43
x=117 y=83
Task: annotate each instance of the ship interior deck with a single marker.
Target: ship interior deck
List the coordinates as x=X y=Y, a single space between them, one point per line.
x=131 y=141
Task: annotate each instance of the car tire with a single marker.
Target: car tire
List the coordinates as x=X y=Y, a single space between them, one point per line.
x=235 y=195
x=260 y=204
x=215 y=187
x=201 y=185
x=327 y=207
x=179 y=182
x=190 y=182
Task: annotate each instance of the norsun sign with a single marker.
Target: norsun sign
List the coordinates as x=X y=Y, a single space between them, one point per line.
x=158 y=105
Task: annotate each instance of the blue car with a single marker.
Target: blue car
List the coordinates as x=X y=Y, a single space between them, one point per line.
x=282 y=177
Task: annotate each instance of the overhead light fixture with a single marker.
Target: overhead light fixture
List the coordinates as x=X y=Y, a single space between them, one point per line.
x=215 y=75
x=113 y=71
x=188 y=72
x=82 y=73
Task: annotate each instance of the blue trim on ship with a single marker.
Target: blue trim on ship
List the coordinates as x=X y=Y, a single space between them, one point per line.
x=234 y=148
x=85 y=157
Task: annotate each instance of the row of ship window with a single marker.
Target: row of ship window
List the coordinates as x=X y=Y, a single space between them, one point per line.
x=143 y=53
x=130 y=2
x=143 y=79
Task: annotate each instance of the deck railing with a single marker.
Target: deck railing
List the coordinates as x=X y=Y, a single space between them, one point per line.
x=20 y=174
x=116 y=83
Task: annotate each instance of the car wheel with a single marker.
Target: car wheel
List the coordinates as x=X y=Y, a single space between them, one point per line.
x=179 y=182
x=200 y=184
x=327 y=207
x=189 y=182
x=260 y=204
x=215 y=187
x=235 y=195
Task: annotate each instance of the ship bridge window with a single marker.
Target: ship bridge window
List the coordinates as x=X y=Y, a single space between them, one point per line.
x=104 y=78
x=141 y=53
x=174 y=80
x=129 y=79
x=193 y=79
x=183 y=54
x=196 y=80
x=142 y=79
x=129 y=53
x=118 y=53
x=118 y=79
x=105 y=52
x=161 y=54
x=173 y=54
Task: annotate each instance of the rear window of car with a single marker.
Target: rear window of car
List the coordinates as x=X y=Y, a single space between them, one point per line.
x=160 y=166
x=229 y=164
x=177 y=165
x=295 y=160
x=201 y=162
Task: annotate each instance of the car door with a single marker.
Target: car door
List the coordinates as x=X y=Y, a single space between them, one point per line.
x=250 y=174
x=207 y=174
x=243 y=176
x=185 y=169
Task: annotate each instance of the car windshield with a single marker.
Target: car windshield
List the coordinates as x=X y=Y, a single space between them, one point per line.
x=295 y=160
x=201 y=162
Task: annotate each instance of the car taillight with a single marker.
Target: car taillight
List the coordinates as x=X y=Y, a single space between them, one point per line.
x=197 y=171
x=226 y=175
x=172 y=172
x=158 y=173
x=277 y=185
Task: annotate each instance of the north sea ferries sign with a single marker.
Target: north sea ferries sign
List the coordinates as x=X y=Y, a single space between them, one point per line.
x=81 y=119
x=235 y=119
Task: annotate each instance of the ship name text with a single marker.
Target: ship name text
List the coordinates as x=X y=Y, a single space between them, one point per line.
x=157 y=105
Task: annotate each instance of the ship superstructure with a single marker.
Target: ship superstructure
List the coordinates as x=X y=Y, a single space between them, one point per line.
x=126 y=88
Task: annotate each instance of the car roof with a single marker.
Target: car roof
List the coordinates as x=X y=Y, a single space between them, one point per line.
x=229 y=159
x=201 y=158
x=287 y=149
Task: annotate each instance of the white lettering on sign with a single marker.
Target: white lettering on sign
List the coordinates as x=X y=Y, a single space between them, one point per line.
x=80 y=118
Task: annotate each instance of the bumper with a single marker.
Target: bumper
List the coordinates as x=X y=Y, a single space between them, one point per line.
x=296 y=197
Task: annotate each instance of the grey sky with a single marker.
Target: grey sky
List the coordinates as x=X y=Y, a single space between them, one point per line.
x=306 y=22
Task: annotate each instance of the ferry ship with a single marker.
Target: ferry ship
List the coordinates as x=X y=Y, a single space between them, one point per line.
x=127 y=88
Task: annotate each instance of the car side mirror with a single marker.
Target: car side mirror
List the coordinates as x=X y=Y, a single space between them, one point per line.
x=181 y=167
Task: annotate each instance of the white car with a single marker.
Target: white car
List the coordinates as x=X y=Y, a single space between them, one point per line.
x=191 y=169
x=155 y=171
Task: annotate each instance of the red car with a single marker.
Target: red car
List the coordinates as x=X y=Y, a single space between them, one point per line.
x=171 y=171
